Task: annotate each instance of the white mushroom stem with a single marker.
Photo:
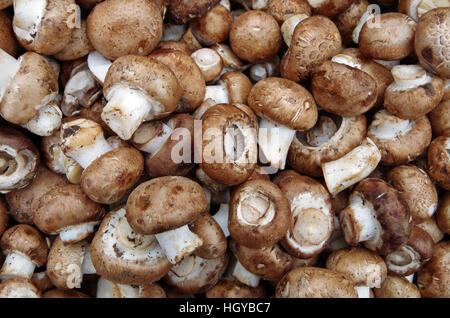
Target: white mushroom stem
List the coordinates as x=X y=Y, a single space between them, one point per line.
x=289 y=25
x=127 y=109
x=46 y=121
x=411 y=9
x=87 y=267
x=409 y=76
x=150 y=137
x=274 y=141
x=221 y=217
x=108 y=289
x=173 y=32
x=351 y=168
x=264 y=70
x=78 y=232
x=98 y=65
x=17 y=265
x=386 y=126
x=27 y=17
x=178 y=243
x=363 y=291
x=371 y=11
x=9 y=66
x=217 y=93
x=244 y=276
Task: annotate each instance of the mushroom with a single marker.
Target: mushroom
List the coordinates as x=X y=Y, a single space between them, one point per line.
x=109 y=173
x=181 y=11
x=45 y=26
x=255 y=36
x=57 y=293
x=68 y=212
x=214 y=240
x=194 y=275
x=124 y=256
x=440 y=119
x=377 y=216
x=347 y=20
x=227 y=288
x=19 y=160
x=117 y=28
x=174 y=45
x=78 y=46
x=439 y=161
x=229 y=144
x=230 y=60
x=19 y=287
x=414 y=92
x=284 y=107
x=164 y=207
x=259 y=214
x=233 y=87
x=28 y=85
x=311 y=219
x=138 y=89
x=314 y=282
x=431 y=43
x=42 y=281
x=431 y=227
x=209 y=62
x=315 y=39
x=110 y=289
x=190 y=40
x=415 y=9
x=98 y=65
x=411 y=256
x=417 y=189
x=328 y=8
x=434 y=279
x=4 y=218
x=189 y=77
x=25 y=249
x=213 y=27
x=353 y=167
x=5 y=4
x=388 y=36
x=400 y=141
x=330 y=139
x=443 y=213
x=364 y=268
x=22 y=202
x=67 y=263
x=8 y=42
x=397 y=287
x=282 y=10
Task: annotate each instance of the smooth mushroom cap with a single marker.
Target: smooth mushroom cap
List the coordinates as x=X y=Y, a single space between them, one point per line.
x=281 y=10
x=285 y=102
x=19 y=288
x=431 y=227
x=431 y=41
x=181 y=11
x=397 y=287
x=8 y=42
x=214 y=240
x=26 y=240
x=439 y=161
x=79 y=45
x=440 y=119
x=214 y=27
x=238 y=86
x=58 y=293
x=255 y=36
x=164 y=204
x=389 y=36
x=363 y=267
x=314 y=282
x=117 y=28
x=259 y=214
x=4 y=218
x=22 y=202
x=443 y=213
x=65 y=206
x=227 y=288
x=434 y=279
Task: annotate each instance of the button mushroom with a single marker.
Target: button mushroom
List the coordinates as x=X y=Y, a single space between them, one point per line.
x=443 y=213
x=213 y=27
x=439 y=161
x=181 y=11
x=78 y=45
x=19 y=287
x=214 y=240
x=397 y=287
x=434 y=279
x=440 y=119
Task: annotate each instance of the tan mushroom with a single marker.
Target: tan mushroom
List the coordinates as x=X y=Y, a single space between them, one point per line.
x=440 y=119
x=214 y=240
x=397 y=287
x=439 y=161
x=19 y=287
x=434 y=279
x=347 y=20
x=281 y=10
x=181 y=11
x=443 y=213
x=227 y=288
x=78 y=45
x=213 y=27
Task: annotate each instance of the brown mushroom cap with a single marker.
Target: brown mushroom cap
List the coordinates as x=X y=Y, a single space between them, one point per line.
x=404 y=146
x=259 y=214
x=361 y=266
x=431 y=227
x=19 y=287
x=78 y=46
x=164 y=204
x=214 y=240
x=417 y=189
x=281 y=10
x=110 y=177
x=234 y=164
x=439 y=161
x=440 y=119
x=34 y=83
x=343 y=90
x=174 y=45
x=189 y=77
x=314 y=282
x=4 y=218
x=64 y=206
x=443 y=213
x=308 y=159
x=26 y=240
x=431 y=43
x=285 y=102
x=153 y=290
x=8 y=42
x=22 y=202
x=213 y=27
x=255 y=36
x=121 y=255
x=181 y=11
x=347 y=20
x=329 y=8
x=434 y=279
x=310 y=48
x=269 y=263
x=58 y=293
x=42 y=281
x=151 y=76
x=238 y=86
x=397 y=287
x=226 y=288
x=389 y=36
x=117 y=28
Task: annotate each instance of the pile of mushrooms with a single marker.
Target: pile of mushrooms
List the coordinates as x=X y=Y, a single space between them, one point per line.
x=224 y=149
